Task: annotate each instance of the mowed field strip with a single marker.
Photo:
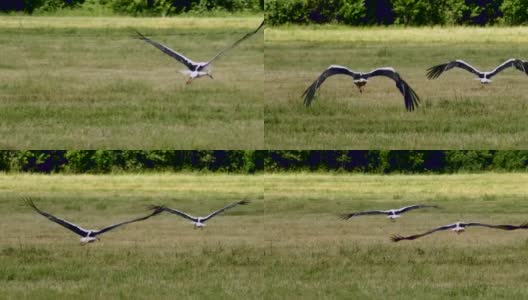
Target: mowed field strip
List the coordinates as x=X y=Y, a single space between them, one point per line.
x=456 y=111
x=84 y=83
x=162 y=257
x=316 y=255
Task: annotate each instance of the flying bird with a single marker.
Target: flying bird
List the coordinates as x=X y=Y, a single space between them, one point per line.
x=391 y=213
x=410 y=98
x=458 y=227
x=198 y=221
x=195 y=69
x=484 y=77
x=87 y=236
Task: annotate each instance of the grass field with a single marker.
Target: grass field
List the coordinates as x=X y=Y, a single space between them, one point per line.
x=79 y=83
x=456 y=111
x=315 y=255
x=287 y=244
x=162 y=257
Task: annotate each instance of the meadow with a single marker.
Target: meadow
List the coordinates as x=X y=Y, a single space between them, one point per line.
x=84 y=83
x=288 y=244
x=315 y=255
x=456 y=111
x=162 y=257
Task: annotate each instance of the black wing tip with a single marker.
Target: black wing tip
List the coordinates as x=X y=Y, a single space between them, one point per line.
x=309 y=94
x=244 y=202
x=156 y=207
x=411 y=99
x=137 y=35
x=156 y=210
x=29 y=201
x=524 y=225
x=435 y=71
x=396 y=238
x=345 y=216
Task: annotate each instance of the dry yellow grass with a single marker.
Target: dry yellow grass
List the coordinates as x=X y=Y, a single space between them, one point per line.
x=26 y=22
x=333 y=33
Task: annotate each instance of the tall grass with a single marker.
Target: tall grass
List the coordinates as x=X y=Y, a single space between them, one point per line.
x=312 y=254
x=83 y=83
x=289 y=243
x=457 y=112
x=162 y=257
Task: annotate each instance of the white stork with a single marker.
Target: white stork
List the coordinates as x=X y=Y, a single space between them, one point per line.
x=87 y=236
x=484 y=77
x=199 y=222
x=392 y=214
x=458 y=227
x=195 y=69
x=410 y=98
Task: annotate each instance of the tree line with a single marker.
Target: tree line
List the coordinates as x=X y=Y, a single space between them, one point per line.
x=106 y=161
x=250 y=162
x=403 y=161
x=406 y=12
x=133 y=7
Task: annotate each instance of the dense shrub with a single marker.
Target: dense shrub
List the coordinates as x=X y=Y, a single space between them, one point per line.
x=468 y=160
x=352 y=12
x=249 y=162
x=515 y=12
x=385 y=161
x=511 y=160
x=133 y=7
x=407 y=12
x=481 y=12
x=285 y=11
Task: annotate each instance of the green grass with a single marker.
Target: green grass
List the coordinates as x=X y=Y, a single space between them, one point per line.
x=163 y=257
x=314 y=255
x=456 y=111
x=78 y=83
x=287 y=244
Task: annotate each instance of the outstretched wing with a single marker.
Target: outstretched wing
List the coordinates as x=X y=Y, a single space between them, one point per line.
x=235 y=43
x=503 y=227
x=518 y=64
x=80 y=231
x=411 y=207
x=434 y=72
x=410 y=97
x=243 y=202
x=362 y=213
x=179 y=57
x=309 y=93
x=174 y=211
x=397 y=238
x=108 y=228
